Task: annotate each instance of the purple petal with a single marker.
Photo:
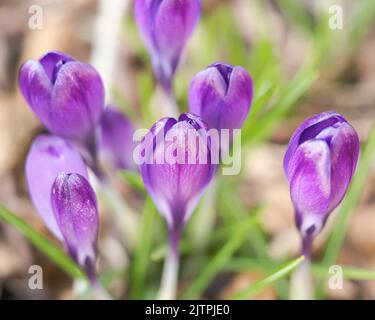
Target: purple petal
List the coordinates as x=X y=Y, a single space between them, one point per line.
x=206 y=96
x=36 y=88
x=75 y=208
x=310 y=183
x=48 y=156
x=308 y=130
x=344 y=148
x=116 y=139
x=77 y=100
x=238 y=99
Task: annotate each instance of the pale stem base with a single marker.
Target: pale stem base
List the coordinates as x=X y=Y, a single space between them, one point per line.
x=301 y=282
x=170 y=106
x=168 y=287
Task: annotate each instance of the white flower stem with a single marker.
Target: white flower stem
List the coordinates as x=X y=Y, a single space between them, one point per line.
x=170 y=106
x=98 y=291
x=168 y=287
x=301 y=282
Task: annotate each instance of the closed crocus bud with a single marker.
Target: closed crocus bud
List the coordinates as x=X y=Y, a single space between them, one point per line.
x=116 y=139
x=177 y=183
x=176 y=170
x=319 y=164
x=221 y=95
x=75 y=208
x=48 y=156
x=165 y=26
x=66 y=95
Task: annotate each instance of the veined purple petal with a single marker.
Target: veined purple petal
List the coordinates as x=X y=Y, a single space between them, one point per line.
x=221 y=95
x=77 y=100
x=75 y=208
x=177 y=184
x=66 y=95
x=48 y=156
x=116 y=139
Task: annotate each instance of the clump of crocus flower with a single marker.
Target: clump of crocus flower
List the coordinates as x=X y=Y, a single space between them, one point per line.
x=221 y=95
x=176 y=170
x=67 y=96
x=165 y=26
x=59 y=188
x=319 y=164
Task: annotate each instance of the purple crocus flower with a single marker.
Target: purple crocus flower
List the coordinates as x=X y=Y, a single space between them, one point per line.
x=319 y=164
x=175 y=172
x=116 y=139
x=76 y=212
x=221 y=95
x=165 y=26
x=48 y=156
x=66 y=95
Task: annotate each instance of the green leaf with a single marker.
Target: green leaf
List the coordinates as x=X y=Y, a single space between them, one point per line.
x=141 y=256
x=217 y=263
x=269 y=280
x=134 y=179
x=264 y=127
x=42 y=243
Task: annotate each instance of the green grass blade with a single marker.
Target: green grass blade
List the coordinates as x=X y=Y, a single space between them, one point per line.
x=134 y=179
x=264 y=127
x=42 y=243
x=269 y=280
x=216 y=264
x=141 y=256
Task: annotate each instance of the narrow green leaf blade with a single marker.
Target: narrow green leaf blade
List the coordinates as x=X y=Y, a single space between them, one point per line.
x=218 y=262
x=273 y=277
x=141 y=257
x=42 y=243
